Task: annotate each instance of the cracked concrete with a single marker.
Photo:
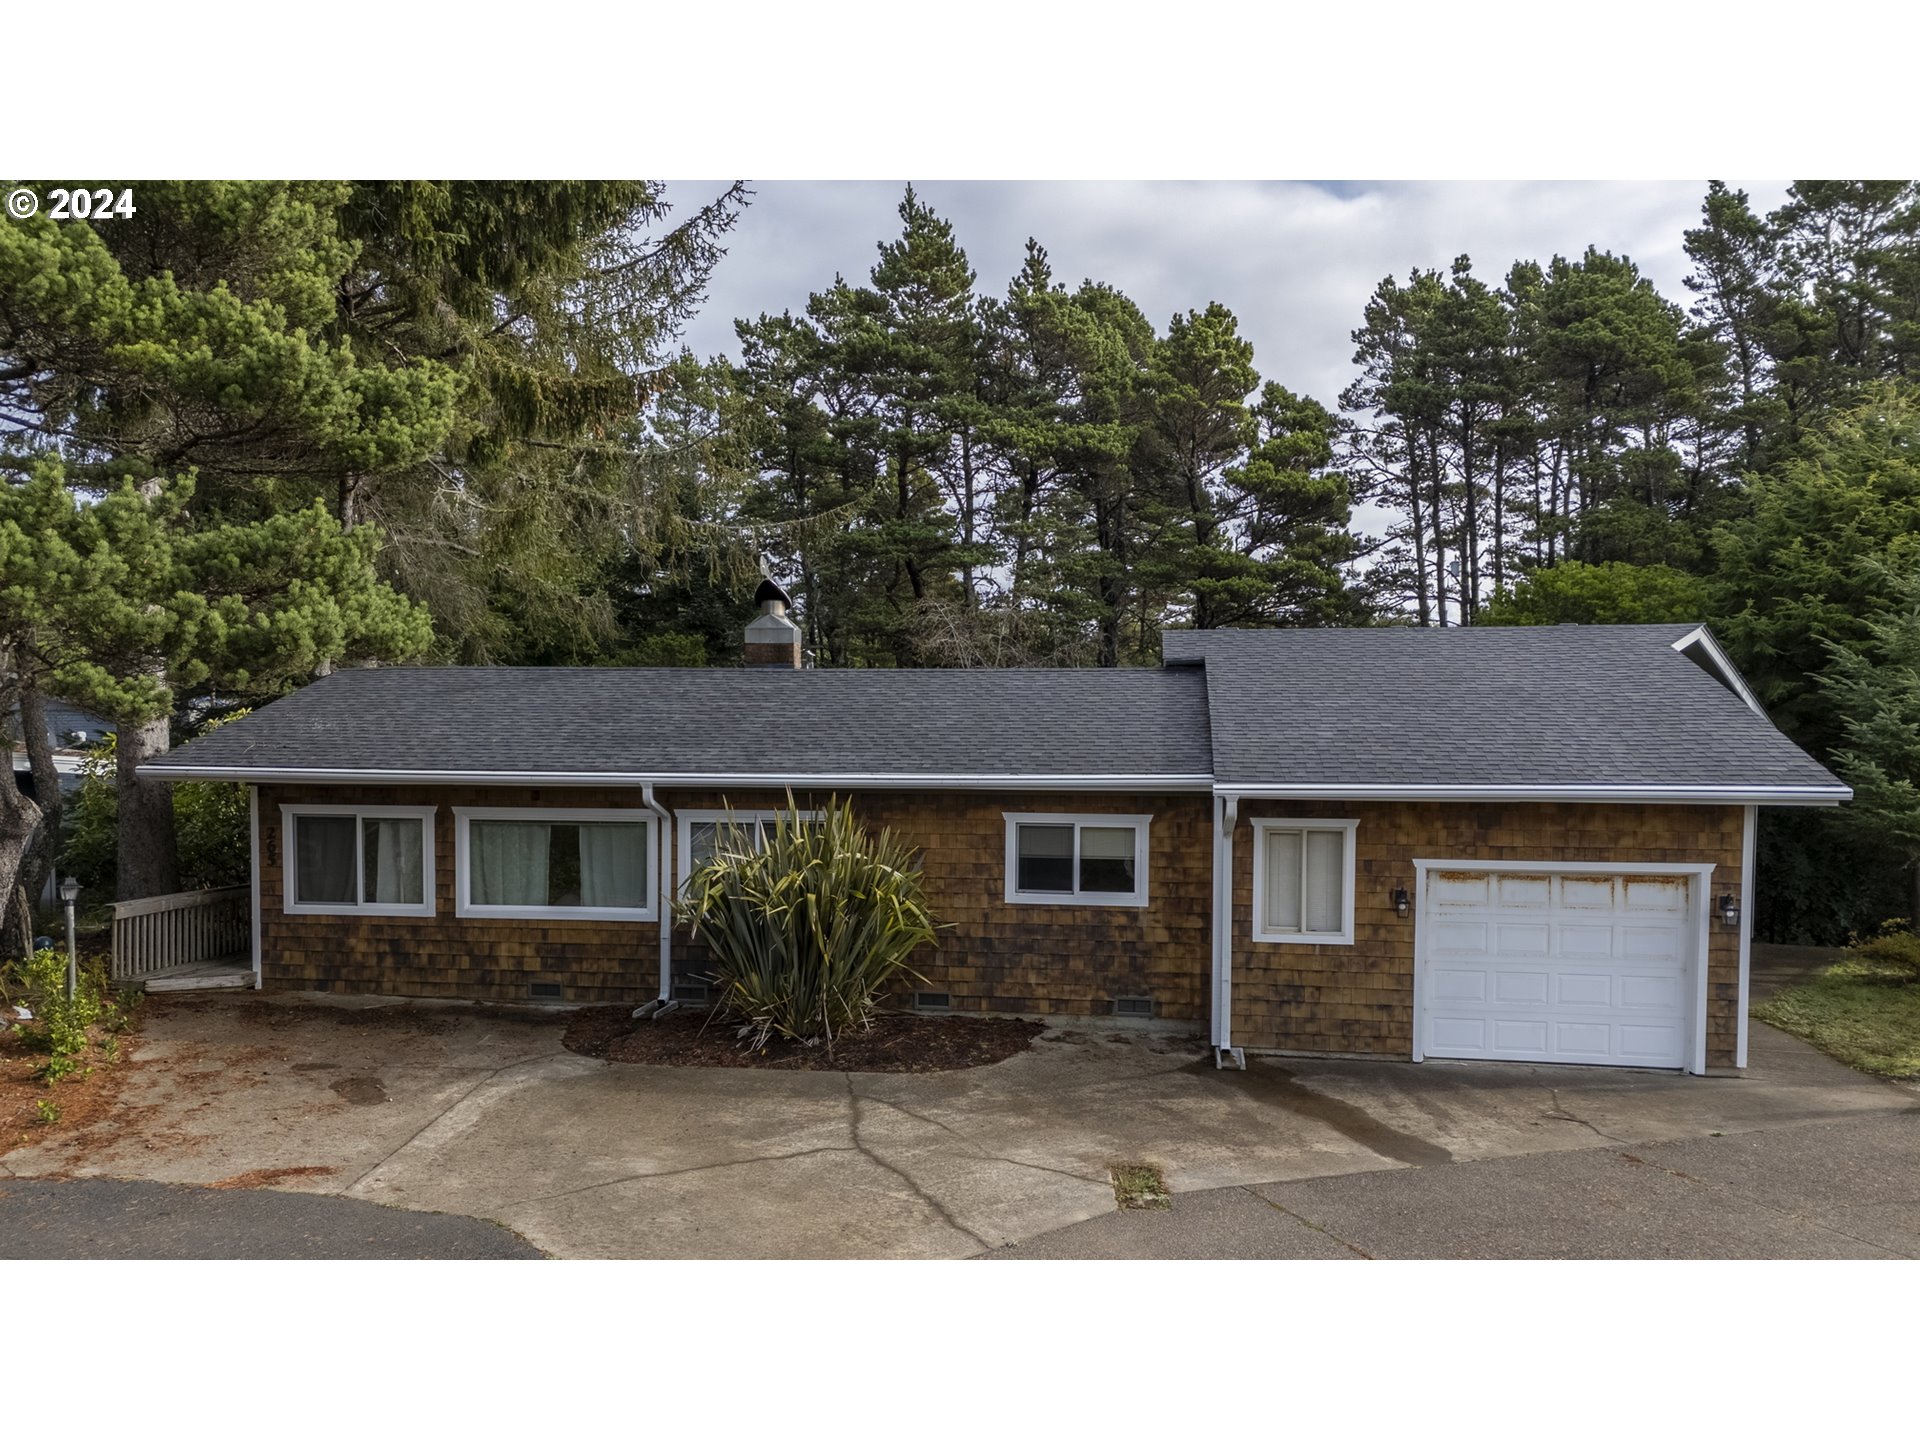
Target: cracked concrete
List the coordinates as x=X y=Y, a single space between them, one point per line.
x=486 y=1115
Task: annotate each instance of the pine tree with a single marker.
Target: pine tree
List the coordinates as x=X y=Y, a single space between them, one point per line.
x=1874 y=686
x=127 y=602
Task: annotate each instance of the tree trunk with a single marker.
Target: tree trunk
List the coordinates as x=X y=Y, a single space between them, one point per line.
x=1419 y=522
x=17 y=937
x=1500 y=514
x=1436 y=478
x=149 y=862
x=969 y=595
x=44 y=853
x=19 y=821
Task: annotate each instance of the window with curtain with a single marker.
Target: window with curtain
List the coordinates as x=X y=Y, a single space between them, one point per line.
x=1305 y=876
x=560 y=862
x=702 y=833
x=340 y=858
x=1084 y=859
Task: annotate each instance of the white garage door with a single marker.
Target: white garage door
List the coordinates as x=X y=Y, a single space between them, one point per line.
x=1571 y=969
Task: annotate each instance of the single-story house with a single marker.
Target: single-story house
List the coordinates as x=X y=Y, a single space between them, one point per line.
x=1496 y=844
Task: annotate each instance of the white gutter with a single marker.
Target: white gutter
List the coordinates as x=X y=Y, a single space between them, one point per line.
x=1145 y=784
x=665 y=905
x=1635 y=794
x=261 y=775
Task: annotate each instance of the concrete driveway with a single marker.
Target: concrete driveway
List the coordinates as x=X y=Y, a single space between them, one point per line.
x=446 y=1108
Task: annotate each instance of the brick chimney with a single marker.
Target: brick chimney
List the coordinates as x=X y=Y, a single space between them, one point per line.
x=773 y=640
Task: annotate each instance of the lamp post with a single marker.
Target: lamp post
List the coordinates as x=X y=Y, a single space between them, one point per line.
x=70 y=892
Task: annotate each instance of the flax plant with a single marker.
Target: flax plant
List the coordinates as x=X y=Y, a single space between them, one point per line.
x=810 y=927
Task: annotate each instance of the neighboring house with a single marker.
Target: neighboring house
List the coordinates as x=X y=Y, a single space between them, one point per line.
x=71 y=732
x=1503 y=844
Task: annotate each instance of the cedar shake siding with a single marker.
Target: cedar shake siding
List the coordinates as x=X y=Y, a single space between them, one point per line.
x=1358 y=999
x=442 y=955
x=994 y=956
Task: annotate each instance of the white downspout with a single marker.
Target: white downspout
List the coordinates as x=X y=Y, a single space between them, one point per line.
x=1226 y=817
x=253 y=829
x=664 y=905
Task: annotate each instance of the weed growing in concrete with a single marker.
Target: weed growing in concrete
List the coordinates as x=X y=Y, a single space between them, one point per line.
x=1140 y=1187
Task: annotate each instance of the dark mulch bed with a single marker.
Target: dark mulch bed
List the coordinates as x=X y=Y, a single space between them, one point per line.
x=894 y=1042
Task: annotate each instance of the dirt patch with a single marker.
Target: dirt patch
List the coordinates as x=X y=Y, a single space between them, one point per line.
x=906 y=1043
x=82 y=1100
x=261 y=1179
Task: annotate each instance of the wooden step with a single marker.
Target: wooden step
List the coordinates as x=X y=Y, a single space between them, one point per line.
x=221 y=980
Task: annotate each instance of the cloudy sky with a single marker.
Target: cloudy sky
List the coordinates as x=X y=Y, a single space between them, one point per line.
x=1295 y=261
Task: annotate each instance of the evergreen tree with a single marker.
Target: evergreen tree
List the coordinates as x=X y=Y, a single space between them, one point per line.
x=1814 y=563
x=197 y=338
x=1874 y=686
x=128 y=602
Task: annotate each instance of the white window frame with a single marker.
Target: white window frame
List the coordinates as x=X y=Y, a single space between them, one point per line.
x=1264 y=935
x=1141 y=854
x=290 y=858
x=464 y=906
x=687 y=819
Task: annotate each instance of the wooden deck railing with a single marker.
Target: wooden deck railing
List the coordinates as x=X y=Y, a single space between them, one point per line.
x=169 y=930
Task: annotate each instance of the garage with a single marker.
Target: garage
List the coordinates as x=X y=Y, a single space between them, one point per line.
x=1559 y=965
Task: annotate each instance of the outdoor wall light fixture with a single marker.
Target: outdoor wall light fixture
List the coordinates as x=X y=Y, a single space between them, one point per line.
x=1729 y=911
x=1400 y=902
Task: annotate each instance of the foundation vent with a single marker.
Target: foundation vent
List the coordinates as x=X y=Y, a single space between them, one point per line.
x=693 y=991
x=547 y=992
x=931 y=1000
x=1141 y=1005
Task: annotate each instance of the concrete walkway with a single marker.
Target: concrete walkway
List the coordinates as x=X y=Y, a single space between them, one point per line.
x=454 y=1110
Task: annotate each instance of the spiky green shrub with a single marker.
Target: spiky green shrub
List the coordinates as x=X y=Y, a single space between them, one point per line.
x=807 y=929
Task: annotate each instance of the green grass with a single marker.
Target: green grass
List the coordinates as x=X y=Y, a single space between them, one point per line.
x=1863 y=1013
x=1140 y=1187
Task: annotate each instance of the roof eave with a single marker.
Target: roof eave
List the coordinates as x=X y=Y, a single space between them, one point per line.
x=1596 y=794
x=290 y=775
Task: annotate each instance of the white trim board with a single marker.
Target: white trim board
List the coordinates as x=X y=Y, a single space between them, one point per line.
x=1749 y=835
x=290 y=859
x=464 y=907
x=1722 y=666
x=1700 y=914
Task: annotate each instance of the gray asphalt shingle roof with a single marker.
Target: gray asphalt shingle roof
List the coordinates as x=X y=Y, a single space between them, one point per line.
x=1549 y=707
x=1543 y=706
x=659 y=722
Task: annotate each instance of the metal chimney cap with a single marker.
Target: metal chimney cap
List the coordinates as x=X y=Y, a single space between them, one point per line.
x=770 y=590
